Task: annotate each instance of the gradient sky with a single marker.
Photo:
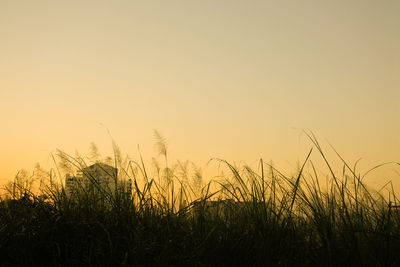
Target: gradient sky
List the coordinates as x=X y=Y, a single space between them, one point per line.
x=230 y=79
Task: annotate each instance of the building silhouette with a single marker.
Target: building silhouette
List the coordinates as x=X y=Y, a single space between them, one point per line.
x=98 y=178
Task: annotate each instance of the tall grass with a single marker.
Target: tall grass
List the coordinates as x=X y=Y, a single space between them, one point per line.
x=250 y=218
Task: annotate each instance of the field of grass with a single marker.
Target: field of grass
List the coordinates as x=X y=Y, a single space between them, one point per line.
x=252 y=218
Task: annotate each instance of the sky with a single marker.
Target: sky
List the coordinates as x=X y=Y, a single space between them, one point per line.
x=237 y=80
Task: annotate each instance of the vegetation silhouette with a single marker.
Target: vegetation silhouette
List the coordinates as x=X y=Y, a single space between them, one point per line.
x=171 y=218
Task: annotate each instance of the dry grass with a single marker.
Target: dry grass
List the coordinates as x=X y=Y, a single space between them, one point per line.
x=254 y=219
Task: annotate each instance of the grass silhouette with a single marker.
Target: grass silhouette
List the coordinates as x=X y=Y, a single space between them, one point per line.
x=263 y=218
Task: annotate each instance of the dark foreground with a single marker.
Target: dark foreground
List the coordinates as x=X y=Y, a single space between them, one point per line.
x=35 y=232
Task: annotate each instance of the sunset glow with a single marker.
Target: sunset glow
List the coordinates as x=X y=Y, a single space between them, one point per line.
x=236 y=80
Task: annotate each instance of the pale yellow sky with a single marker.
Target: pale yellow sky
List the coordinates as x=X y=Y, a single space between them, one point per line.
x=229 y=79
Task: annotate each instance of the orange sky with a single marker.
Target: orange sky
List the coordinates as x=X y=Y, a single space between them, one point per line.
x=229 y=79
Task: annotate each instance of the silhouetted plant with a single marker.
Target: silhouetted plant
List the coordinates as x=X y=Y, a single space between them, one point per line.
x=171 y=218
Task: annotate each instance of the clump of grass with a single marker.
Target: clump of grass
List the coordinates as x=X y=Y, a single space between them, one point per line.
x=252 y=218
